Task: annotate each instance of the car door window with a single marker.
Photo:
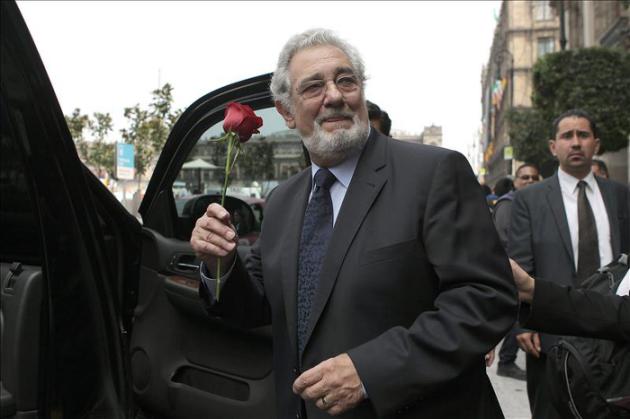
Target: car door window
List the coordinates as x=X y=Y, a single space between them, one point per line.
x=265 y=160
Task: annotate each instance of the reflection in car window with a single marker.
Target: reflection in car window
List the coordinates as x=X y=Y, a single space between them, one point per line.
x=21 y=240
x=266 y=159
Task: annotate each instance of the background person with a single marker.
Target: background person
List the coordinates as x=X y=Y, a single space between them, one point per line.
x=599 y=168
x=526 y=174
x=379 y=119
x=563 y=229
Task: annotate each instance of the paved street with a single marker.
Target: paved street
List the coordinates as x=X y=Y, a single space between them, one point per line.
x=512 y=393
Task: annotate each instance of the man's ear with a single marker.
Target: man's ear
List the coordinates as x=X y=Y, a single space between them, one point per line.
x=597 y=145
x=289 y=119
x=552 y=147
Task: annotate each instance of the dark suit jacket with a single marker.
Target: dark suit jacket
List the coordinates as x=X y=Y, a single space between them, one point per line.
x=415 y=286
x=570 y=311
x=540 y=240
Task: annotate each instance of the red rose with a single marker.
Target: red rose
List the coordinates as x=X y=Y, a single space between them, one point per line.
x=242 y=120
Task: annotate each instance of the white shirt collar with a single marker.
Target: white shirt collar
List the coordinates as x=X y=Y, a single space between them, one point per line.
x=569 y=182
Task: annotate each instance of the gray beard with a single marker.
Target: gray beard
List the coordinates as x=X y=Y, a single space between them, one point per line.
x=331 y=148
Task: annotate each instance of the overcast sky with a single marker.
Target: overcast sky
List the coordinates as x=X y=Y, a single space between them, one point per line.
x=423 y=59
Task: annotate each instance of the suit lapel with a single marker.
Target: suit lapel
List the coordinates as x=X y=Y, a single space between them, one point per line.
x=554 y=198
x=610 y=202
x=298 y=193
x=367 y=181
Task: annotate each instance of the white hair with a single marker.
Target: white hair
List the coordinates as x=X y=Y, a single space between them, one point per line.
x=281 y=82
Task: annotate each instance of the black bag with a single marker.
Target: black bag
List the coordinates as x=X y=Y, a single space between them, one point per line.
x=590 y=378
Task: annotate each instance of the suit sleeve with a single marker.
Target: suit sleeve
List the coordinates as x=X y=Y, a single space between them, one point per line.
x=243 y=302
x=520 y=247
x=474 y=307
x=501 y=218
x=570 y=311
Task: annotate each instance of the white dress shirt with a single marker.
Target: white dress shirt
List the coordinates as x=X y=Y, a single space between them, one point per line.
x=569 y=188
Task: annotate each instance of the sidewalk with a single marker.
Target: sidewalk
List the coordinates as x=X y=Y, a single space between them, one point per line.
x=512 y=394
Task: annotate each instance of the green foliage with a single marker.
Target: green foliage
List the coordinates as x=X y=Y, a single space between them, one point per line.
x=102 y=155
x=256 y=160
x=77 y=123
x=149 y=128
x=95 y=151
x=529 y=135
x=596 y=80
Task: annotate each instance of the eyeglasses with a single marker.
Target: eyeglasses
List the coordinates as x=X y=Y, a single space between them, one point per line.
x=345 y=83
x=535 y=178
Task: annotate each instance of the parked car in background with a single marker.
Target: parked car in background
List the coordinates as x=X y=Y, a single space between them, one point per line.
x=100 y=313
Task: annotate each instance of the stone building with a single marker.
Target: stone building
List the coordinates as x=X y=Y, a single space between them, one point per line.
x=432 y=135
x=526 y=30
x=599 y=23
x=406 y=136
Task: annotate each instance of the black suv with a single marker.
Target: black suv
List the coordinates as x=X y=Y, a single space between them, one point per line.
x=100 y=314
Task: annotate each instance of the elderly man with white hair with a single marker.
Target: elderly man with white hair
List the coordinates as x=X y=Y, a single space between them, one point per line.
x=378 y=266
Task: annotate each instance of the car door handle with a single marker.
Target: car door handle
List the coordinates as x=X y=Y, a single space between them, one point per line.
x=184 y=263
x=182 y=266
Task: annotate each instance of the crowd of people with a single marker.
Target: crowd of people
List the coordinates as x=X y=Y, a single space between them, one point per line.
x=380 y=268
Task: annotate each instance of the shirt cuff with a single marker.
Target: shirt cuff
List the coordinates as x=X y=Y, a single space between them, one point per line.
x=210 y=282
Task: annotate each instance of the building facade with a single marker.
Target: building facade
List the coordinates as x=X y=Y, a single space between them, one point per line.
x=526 y=30
x=432 y=135
x=599 y=23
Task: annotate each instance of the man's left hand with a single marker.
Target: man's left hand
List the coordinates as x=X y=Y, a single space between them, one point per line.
x=333 y=384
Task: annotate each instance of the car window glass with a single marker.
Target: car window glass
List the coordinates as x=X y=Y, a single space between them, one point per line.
x=265 y=160
x=21 y=240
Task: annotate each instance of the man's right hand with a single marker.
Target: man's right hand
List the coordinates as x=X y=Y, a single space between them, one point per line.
x=530 y=343
x=214 y=237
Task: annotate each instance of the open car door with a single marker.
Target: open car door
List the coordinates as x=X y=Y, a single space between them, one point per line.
x=184 y=362
x=69 y=256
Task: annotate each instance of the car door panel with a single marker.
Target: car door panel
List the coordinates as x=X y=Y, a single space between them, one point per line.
x=22 y=291
x=184 y=362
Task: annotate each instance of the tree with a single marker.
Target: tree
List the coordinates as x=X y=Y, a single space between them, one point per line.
x=102 y=154
x=256 y=160
x=149 y=129
x=77 y=123
x=596 y=80
x=529 y=135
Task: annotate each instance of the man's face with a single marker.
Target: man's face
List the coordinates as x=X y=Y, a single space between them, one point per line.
x=525 y=177
x=328 y=108
x=574 y=145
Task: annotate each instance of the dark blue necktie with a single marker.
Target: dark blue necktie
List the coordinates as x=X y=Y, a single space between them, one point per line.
x=316 y=231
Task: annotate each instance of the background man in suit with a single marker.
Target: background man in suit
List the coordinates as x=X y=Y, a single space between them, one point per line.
x=526 y=174
x=564 y=228
x=392 y=311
